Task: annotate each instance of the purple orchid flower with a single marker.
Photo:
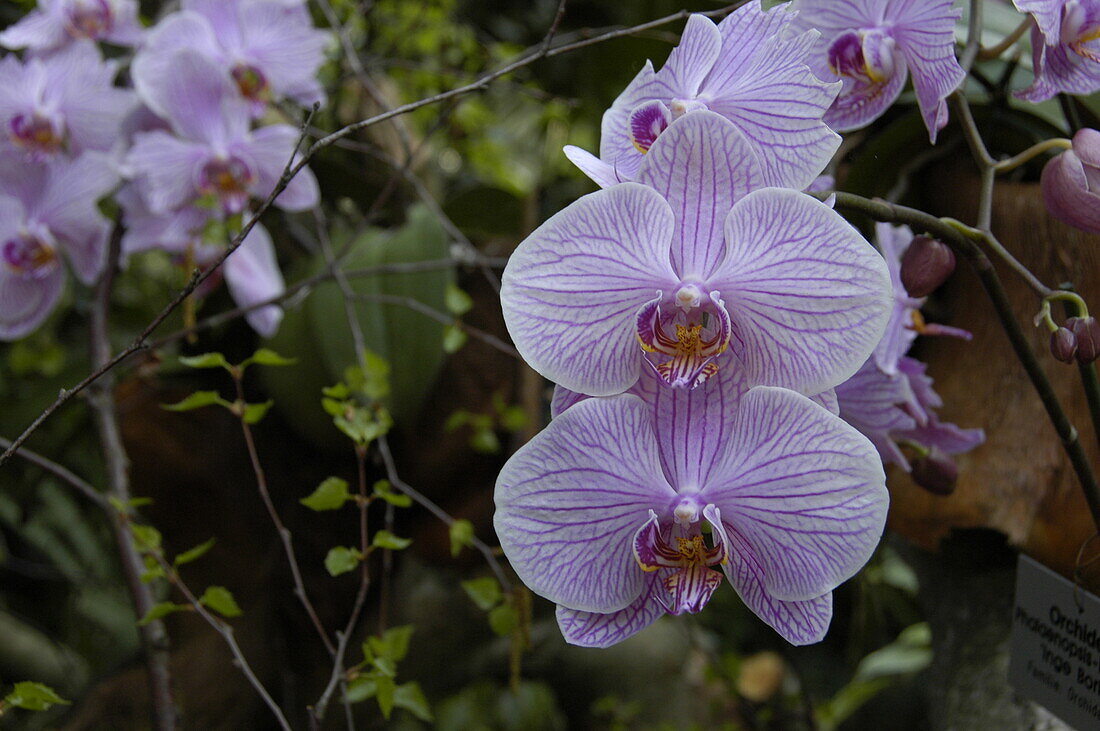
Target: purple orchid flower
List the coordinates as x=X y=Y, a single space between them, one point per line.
x=898 y=408
x=906 y=322
x=65 y=102
x=1071 y=182
x=270 y=50
x=604 y=512
x=57 y=23
x=48 y=212
x=251 y=273
x=214 y=156
x=1065 y=47
x=688 y=263
x=873 y=45
x=751 y=69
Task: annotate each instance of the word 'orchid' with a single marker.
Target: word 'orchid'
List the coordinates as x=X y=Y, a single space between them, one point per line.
x=873 y=45
x=690 y=262
x=1065 y=47
x=607 y=512
x=751 y=69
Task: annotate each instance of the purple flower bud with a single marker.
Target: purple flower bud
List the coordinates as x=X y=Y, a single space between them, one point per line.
x=1086 y=330
x=926 y=265
x=1071 y=183
x=935 y=472
x=1063 y=344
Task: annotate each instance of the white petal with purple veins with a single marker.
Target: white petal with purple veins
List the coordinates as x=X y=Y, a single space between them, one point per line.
x=271 y=147
x=925 y=34
x=252 y=275
x=590 y=629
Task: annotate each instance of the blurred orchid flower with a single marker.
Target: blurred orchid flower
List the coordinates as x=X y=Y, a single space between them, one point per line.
x=1065 y=47
x=605 y=512
x=751 y=69
x=57 y=23
x=690 y=262
x=873 y=45
x=1071 y=182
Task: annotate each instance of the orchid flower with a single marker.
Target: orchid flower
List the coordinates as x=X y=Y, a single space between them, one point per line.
x=48 y=212
x=269 y=50
x=1065 y=47
x=873 y=45
x=906 y=322
x=63 y=103
x=898 y=408
x=606 y=511
x=689 y=263
x=751 y=69
x=214 y=156
x=57 y=23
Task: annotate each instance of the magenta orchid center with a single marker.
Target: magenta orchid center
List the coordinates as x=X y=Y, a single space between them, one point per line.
x=37 y=132
x=683 y=334
x=89 y=18
x=866 y=55
x=251 y=82
x=228 y=179
x=1080 y=28
x=690 y=578
x=30 y=255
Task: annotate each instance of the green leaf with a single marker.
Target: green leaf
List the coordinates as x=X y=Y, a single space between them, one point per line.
x=513 y=419
x=454 y=337
x=159 y=611
x=393 y=644
x=458 y=302
x=193 y=554
x=376 y=376
x=384 y=692
x=124 y=507
x=221 y=601
x=361 y=689
x=33 y=697
x=411 y=698
x=456 y=419
x=386 y=666
x=146 y=536
x=485 y=592
x=206 y=360
x=196 y=401
x=153 y=570
x=339 y=391
x=384 y=490
x=503 y=619
x=342 y=559
x=462 y=535
x=485 y=441
x=268 y=357
x=254 y=412
x=329 y=495
x=385 y=539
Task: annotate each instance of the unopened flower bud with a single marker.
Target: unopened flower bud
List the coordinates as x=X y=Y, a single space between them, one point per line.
x=926 y=265
x=935 y=472
x=1063 y=344
x=1086 y=330
x=1070 y=183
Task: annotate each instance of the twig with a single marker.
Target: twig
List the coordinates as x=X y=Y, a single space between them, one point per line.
x=61 y=473
x=973 y=36
x=418 y=497
x=1089 y=382
x=280 y=528
x=994 y=51
x=154 y=637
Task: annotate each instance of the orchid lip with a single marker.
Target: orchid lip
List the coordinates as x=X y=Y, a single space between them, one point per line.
x=89 y=19
x=36 y=132
x=29 y=255
x=692 y=580
x=691 y=330
x=250 y=81
x=228 y=179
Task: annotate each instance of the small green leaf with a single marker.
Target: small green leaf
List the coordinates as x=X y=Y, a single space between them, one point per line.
x=194 y=554
x=206 y=360
x=411 y=698
x=457 y=301
x=504 y=619
x=485 y=441
x=153 y=570
x=513 y=419
x=146 y=536
x=385 y=539
x=196 y=401
x=384 y=490
x=385 y=666
x=268 y=357
x=124 y=507
x=361 y=689
x=33 y=697
x=456 y=419
x=221 y=601
x=384 y=692
x=462 y=535
x=393 y=644
x=329 y=495
x=376 y=377
x=339 y=391
x=254 y=412
x=342 y=559
x=485 y=592
x=454 y=337
x=159 y=611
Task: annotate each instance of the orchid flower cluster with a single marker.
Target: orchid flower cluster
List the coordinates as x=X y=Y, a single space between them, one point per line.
x=184 y=142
